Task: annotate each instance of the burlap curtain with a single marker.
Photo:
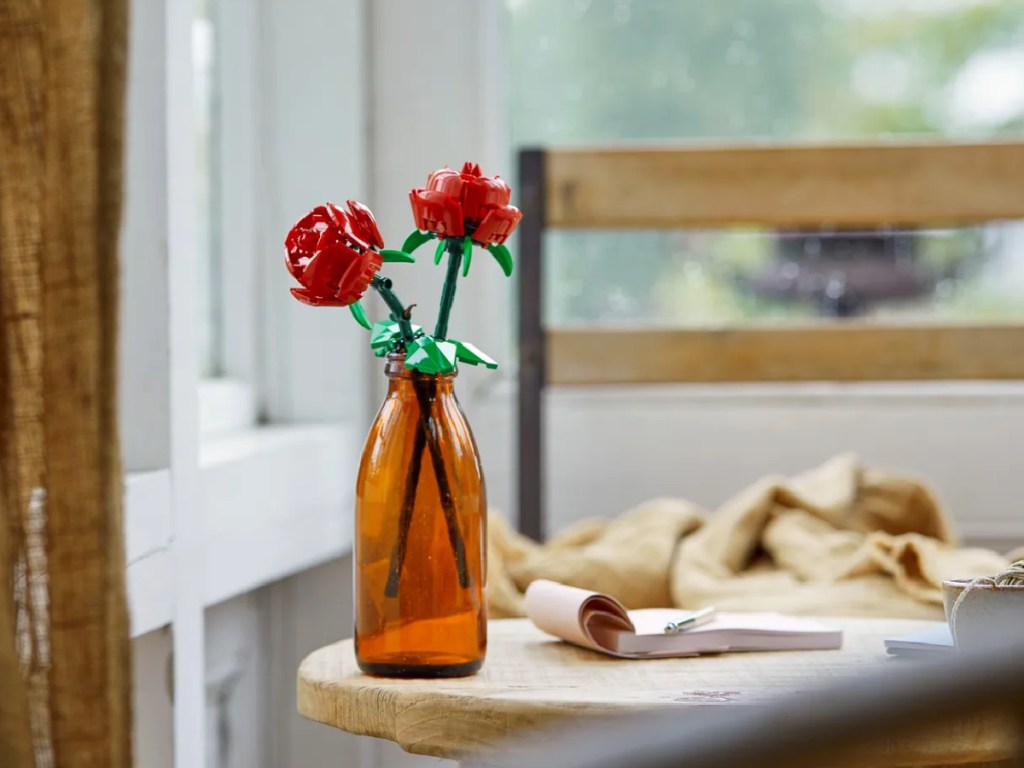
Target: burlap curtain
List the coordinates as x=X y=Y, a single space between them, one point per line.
x=64 y=649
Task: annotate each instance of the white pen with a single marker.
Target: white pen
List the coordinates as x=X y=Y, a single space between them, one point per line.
x=691 y=620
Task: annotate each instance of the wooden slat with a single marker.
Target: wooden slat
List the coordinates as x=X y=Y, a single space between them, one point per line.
x=855 y=352
x=785 y=186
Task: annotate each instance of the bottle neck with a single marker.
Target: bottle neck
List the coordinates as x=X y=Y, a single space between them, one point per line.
x=402 y=379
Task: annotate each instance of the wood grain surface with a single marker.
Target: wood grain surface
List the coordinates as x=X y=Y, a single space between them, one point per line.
x=530 y=679
x=706 y=185
x=834 y=352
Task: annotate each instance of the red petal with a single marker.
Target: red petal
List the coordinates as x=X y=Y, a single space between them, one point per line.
x=435 y=178
x=306 y=237
x=418 y=208
x=481 y=193
x=312 y=300
x=351 y=232
x=337 y=217
x=497 y=225
x=326 y=269
x=356 y=279
x=365 y=223
x=294 y=260
x=450 y=184
x=436 y=212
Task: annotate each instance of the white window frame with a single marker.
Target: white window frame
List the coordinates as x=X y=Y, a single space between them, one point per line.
x=239 y=481
x=228 y=402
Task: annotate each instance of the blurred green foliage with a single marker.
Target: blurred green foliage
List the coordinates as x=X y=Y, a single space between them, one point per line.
x=591 y=71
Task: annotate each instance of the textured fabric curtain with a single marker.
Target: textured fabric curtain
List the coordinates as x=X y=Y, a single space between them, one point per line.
x=64 y=648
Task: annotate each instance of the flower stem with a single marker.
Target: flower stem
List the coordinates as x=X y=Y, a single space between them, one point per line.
x=426 y=436
x=405 y=520
x=454 y=248
x=429 y=425
x=398 y=311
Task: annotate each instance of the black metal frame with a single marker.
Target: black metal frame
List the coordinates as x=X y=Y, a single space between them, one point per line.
x=531 y=343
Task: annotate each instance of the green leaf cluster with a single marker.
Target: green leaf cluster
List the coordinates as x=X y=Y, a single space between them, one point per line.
x=441 y=356
x=425 y=353
x=500 y=253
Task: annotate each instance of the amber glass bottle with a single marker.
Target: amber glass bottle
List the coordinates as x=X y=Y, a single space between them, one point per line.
x=420 y=534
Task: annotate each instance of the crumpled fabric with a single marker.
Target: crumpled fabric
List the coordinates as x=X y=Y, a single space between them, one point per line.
x=841 y=539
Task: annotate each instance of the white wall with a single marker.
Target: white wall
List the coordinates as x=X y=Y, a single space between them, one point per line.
x=313 y=150
x=304 y=613
x=610 y=449
x=254 y=645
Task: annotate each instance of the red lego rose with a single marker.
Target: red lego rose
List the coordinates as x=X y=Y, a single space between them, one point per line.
x=331 y=253
x=466 y=203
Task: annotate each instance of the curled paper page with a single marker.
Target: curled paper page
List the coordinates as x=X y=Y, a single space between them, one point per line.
x=588 y=619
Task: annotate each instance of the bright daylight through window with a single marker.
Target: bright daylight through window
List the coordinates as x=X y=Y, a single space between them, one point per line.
x=207 y=136
x=799 y=71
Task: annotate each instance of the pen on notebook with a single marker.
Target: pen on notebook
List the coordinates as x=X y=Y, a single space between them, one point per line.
x=691 y=620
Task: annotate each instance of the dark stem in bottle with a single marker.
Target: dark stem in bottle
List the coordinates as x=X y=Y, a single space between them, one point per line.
x=408 y=503
x=427 y=434
x=429 y=425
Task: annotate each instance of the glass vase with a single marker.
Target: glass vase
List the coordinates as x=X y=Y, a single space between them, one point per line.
x=420 y=534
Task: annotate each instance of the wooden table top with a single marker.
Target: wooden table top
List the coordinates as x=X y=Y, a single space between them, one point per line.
x=532 y=679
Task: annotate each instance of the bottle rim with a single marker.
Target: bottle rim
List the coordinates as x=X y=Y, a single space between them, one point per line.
x=394 y=368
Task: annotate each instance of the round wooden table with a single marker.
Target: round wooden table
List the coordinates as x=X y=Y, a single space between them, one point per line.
x=530 y=679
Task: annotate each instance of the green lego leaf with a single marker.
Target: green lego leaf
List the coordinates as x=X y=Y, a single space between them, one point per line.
x=383 y=337
x=386 y=336
x=416 y=239
x=431 y=356
x=503 y=257
x=400 y=256
x=468 y=353
x=439 y=252
x=360 y=315
x=467 y=254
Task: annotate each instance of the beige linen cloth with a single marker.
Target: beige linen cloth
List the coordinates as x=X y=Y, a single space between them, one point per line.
x=841 y=539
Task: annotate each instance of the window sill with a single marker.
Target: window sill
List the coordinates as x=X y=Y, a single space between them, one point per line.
x=276 y=501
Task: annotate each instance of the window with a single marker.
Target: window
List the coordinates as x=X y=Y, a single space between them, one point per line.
x=797 y=71
x=215 y=355
x=207 y=177
x=239 y=471
x=226 y=140
x=758 y=301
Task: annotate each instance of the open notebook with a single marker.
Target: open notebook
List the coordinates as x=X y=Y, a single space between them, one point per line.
x=930 y=643
x=600 y=622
